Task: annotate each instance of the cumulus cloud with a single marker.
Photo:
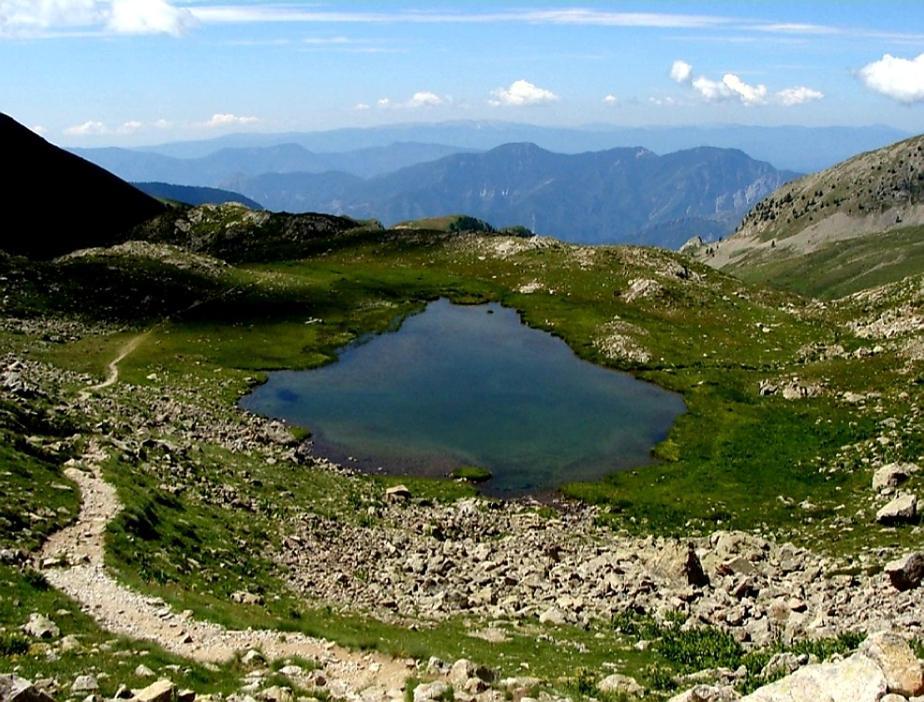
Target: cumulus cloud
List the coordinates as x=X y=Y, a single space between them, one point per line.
x=798 y=95
x=611 y=99
x=130 y=127
x=362 y=106
x=681 y=71
x=425 y=98
x=733 y=87
x=229 y=120
x=42 y=17
x=39 y=129
x=88 y=128
x=420 y=99
x=163 y=123
x=148 y=17
x=898 y=78
x=520 y=93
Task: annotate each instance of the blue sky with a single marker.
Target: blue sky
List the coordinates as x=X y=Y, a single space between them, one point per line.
x=92 y=72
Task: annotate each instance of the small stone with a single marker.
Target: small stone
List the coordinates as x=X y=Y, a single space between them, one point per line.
x=41 y=627
x=431 y=692
x=161 y=691
x=253 y=657
x=142 y=671
x=277 y=694
x=397 y=493
x=617 y=684
x=552 y=615
x=85 y=683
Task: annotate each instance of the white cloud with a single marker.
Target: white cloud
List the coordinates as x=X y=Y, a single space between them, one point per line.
x=898 y=78
x=425 y=98
x=362 y=106
x=611 y=99
x=130 y=127
x=163 y=123
x=383 y=102
x=681 y=71
x=229 y=120
x=520 y=93
x=88 y=128
x=798 y=95
x=148 y=17
x=43 y=17
x=733 y=87
x=748 y=94
x=39 y=129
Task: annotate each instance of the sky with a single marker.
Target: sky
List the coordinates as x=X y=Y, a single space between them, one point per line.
x=131 y=72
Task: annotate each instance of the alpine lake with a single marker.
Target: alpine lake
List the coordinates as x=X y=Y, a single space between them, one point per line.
x=471 y=385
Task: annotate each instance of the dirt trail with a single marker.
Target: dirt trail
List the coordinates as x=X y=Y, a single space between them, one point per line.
x=72 y=561
x=112 y=369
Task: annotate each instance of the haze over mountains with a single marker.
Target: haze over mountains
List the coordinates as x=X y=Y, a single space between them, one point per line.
x=794 y=148
x=626 y=194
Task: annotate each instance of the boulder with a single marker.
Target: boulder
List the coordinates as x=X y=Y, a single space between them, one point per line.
x=900 y=666
x=854 y=679
x=728 y=544
x=464 y=670
x=85 y=683
x=41 y=627
x=142 y=671
x=246 y=598
x=253 y=657
x=276 y=694
x=893 y=475
x=431 y=692
x=552 y=615
x=708 y=693
x=906 y=572
x=617 y=684
x=16 y=689
x=397 y=493
x=903 y=508
x=161 y=691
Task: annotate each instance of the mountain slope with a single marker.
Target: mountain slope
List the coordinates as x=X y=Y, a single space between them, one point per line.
x=57 y=202
x=224 y=165
x=195 y=195
x=616 y=195
x=858 y=224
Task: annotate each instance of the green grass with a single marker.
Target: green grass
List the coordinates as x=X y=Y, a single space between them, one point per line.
x=842 y=267
x=471 y=474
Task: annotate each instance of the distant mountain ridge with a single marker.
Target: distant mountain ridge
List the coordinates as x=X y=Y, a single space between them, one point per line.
x=195 y=195
x=618 y=195
x=858 y=224
x=57 y=202
x=224 y=165
x=796 y=148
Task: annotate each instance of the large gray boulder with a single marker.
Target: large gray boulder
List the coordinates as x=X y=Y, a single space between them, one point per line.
x=854 y=679
x=903 y=508
x=893 y=475
x=906 y=572
x=16 y=689
x=897 y=661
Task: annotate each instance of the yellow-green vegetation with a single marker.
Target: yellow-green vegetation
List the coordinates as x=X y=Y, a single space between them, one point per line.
x=472 y=474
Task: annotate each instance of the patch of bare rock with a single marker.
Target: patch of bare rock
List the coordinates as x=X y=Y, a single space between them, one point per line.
x=884 y=669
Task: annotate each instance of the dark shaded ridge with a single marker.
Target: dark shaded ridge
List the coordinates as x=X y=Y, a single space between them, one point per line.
x=89 y=206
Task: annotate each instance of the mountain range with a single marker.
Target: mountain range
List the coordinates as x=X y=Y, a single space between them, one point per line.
x=618 y=195
x=794 y=148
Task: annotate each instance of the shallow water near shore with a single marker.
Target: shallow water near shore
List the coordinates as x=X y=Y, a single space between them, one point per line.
x=472 y=385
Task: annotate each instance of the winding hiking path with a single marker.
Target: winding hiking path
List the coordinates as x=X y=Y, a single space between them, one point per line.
x=112 y=368
x=72 y=561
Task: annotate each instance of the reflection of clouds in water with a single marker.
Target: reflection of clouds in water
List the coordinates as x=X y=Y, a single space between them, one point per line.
x=480 y=388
